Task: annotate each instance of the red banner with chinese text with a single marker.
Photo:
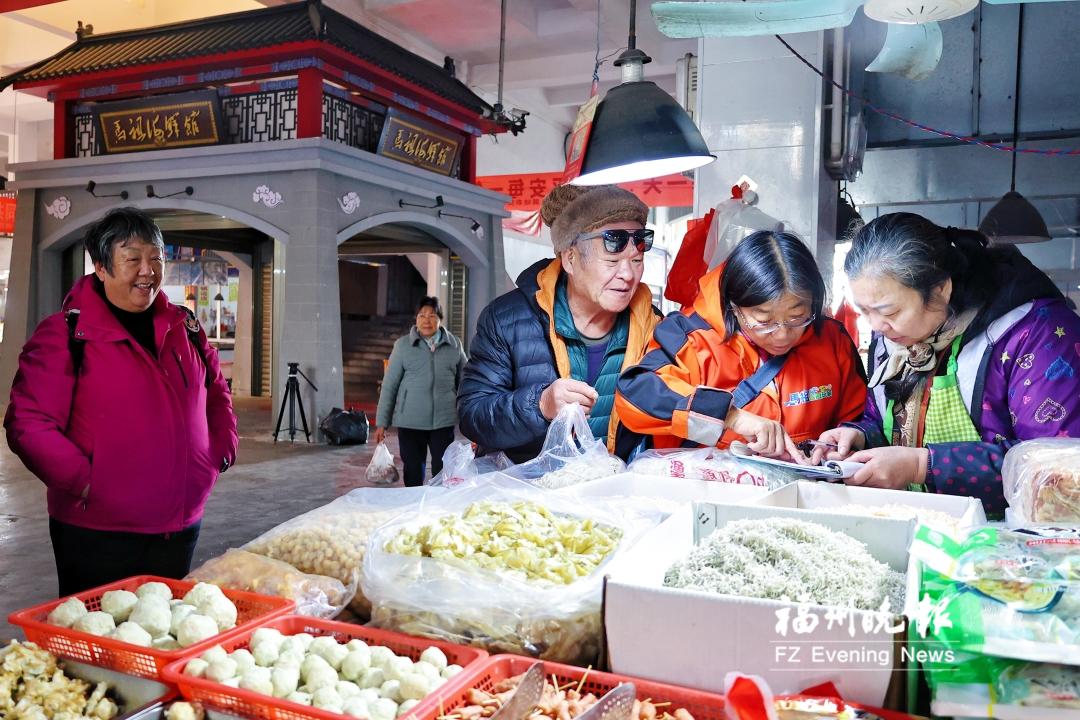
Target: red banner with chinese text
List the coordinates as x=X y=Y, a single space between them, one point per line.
x=7 y=216
x=528 y=190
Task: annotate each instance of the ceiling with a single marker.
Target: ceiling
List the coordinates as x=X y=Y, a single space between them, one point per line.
x=550 y=45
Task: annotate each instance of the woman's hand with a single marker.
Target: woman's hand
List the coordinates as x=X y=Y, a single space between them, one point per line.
x=846 y=440
x=380 y=435
x=893 y=468
x=763 y=436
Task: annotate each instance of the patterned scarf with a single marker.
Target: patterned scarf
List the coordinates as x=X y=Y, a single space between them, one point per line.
x=909 y=369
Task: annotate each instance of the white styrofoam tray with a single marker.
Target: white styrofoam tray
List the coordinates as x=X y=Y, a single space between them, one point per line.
x=694 y=638
x=631 y=484
x=821 y=496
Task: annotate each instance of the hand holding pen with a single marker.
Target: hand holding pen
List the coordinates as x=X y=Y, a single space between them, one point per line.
x=837 y=444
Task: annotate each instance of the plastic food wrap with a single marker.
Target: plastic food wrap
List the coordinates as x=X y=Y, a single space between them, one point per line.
x=315 y=595
x=1039 y=685
x=529 y=584
x=331 y=540
x=460 y=465
x=1042 y=481
x=710 y=464
x=1009 y=593
x=571 y=455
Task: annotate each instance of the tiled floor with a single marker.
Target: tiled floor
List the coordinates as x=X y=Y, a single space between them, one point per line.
x=270 y=483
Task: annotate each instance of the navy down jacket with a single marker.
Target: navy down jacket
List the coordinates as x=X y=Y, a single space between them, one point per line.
x=511 y=362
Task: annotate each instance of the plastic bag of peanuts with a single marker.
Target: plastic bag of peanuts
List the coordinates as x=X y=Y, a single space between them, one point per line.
x=331 y=540
x=315 y=595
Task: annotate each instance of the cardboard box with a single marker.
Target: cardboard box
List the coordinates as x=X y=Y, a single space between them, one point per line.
x=694 y=638
x=666 y=488
x=821 y=496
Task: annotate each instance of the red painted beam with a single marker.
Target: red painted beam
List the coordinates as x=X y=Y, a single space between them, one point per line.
x=63 y=131
x=13 y=5
x=309 y=92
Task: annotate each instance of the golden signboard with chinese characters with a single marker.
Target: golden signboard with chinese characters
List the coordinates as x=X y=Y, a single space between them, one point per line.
x=418 y=143
x=160 y=122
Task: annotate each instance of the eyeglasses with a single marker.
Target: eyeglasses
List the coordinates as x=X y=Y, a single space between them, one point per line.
x=770 y=328
x=427 y=316
x=615 y=241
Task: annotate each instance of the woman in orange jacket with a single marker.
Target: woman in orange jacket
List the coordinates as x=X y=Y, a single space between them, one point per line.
x=754 y=357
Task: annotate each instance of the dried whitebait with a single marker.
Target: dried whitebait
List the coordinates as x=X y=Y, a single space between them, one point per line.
x=782 y=558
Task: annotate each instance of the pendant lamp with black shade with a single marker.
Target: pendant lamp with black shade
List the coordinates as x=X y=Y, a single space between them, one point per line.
x=1014 y=220
x=639 y=131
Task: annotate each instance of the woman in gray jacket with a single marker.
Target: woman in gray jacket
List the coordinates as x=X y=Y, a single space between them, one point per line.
x=419 y=392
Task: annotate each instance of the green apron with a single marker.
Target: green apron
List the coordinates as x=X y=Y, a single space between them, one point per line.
x=947 y=418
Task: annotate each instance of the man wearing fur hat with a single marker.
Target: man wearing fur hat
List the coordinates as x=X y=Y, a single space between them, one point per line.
x=564 y=335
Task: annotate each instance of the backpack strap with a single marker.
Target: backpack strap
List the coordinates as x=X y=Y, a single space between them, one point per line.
x=752 y=386
x=76 y=346
x=191 y=325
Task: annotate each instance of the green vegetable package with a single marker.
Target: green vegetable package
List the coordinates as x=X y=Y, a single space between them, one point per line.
x=508 y=568
x=1011 y=593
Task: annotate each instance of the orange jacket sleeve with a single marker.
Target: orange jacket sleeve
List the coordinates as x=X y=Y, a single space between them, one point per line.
x=663 y=394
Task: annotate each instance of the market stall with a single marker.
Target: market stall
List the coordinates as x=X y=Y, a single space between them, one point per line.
x=644 y=593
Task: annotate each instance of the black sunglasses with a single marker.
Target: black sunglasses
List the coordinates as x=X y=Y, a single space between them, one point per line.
x=615 y=241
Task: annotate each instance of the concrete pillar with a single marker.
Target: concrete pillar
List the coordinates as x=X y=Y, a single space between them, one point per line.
x=433 y=267
x=307 y=289
x=383 y=290
x=20 y=316
x=243 y=347
x=759 y=110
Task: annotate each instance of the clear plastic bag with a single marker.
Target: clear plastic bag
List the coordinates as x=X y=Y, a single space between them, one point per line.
x=381 y=470
x=502 y=606
x=1039 y=685
x=735 y=220
x=460 y=465
x=331 y=540
x=710 y=464
x=570 y=454
x=315 y=595
x=1042 y=481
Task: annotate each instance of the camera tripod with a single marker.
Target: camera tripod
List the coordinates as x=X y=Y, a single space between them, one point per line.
x=292 y=399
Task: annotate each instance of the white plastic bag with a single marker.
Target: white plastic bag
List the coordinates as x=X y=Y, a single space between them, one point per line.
x=331 y=540
x=1041 y=480
x=570 y=454
x=381 y=470
x=499 y=607
x=315 y=595
x=710 y=464
x=733 y=221
x=460 y=465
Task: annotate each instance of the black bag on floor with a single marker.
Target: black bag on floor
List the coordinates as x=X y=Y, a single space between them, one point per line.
x=345 y=427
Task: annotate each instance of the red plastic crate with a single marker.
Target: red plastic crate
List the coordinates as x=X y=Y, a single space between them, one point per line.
x=251 y=608
x=702 y=705
x=256 y=705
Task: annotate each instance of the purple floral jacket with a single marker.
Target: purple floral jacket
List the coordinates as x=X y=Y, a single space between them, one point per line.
x=1031 y=390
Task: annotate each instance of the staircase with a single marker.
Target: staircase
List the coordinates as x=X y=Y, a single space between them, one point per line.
x=365 y=344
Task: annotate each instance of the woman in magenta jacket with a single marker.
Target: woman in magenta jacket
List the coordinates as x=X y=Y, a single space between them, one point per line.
x=120 y=408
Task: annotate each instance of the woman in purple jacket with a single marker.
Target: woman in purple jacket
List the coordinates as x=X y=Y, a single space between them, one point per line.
x=974 y=350
x=119 y=407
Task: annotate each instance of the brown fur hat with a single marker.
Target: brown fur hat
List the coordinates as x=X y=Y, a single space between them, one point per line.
x=570 y=210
